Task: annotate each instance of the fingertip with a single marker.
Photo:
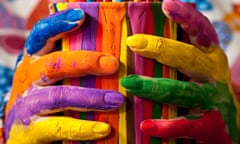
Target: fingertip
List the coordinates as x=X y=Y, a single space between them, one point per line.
x=62 y=128
x=109 y=64
x=114 y=98
x=75 y=14
x=101 y=130
x=137 y=41
x=132 y=82
x=171 y=8
x=164 y=128
x=148 y=126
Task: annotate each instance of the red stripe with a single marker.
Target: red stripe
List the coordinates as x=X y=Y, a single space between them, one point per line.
x=148 y=71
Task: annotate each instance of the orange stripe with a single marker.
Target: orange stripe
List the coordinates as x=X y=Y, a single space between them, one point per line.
x=111 y=43
x=98 y=115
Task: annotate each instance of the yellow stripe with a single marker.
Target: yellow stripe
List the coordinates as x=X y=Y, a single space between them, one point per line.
x=122 y=73
x=66 y=47
x=172 y=112
x=62 y=6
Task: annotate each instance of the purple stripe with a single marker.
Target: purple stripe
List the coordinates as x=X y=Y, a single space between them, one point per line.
x=89 y=32
x=138 y=13
x=90 y=25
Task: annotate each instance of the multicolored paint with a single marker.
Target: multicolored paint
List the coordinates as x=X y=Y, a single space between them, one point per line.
x=201 y=61
x=101 y=32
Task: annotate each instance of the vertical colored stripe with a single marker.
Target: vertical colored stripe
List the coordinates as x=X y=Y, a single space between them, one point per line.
x=137 y=14
x=65 y=47
x=89 y=30
x=172 y=75
x=123 y=73
x=140 y=15
x=165 y=69
x=100 y=116
x=130 y=97
x=159 y=19
x=75 y=39
x=111 y=43
x=148 y=71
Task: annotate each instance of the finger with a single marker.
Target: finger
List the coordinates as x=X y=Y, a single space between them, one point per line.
x=184 y=57
x=205 y=96
x=162 y=90
x=58 y=65
x=47 y=31
x=51 y=129
x=42 y=101
x=207 y=129
x=199 y=28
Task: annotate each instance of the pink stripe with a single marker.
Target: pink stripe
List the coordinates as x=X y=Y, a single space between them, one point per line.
x=75 y=40
x=138 y=12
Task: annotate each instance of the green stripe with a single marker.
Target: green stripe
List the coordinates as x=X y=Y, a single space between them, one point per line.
x=158 y=18
x=82 y=115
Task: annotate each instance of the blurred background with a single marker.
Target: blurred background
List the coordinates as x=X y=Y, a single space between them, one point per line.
x=18 y=16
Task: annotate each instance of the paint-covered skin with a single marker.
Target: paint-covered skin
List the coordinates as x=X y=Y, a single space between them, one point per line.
x=206 y=96
x=210 y=89
x=199 y=28
x=49 y=129
x=46 y=100
x=45 y=32
x=32 y=97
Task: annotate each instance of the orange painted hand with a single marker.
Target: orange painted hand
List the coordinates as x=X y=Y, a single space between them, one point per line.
x=32 y=99
x=210 y=89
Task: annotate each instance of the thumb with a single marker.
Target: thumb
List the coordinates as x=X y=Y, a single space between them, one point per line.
x=51 y=28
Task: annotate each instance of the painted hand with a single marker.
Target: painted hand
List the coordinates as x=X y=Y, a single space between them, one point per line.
x=210 y=89
x=32 y=98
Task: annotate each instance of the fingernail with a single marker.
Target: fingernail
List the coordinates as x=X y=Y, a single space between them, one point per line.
x=114 y=98
x=148 y=126
x=102 y=128
x=137 y=41
x=133 y=82
x=109 y=63
x=74 y=15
